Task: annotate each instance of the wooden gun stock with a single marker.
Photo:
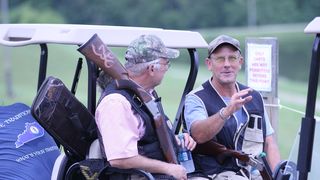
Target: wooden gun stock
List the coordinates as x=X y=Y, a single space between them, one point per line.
x=221 y=153
x=95 y=50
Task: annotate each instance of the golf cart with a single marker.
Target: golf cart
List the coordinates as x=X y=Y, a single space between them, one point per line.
x=114 y=36
x=308 y=124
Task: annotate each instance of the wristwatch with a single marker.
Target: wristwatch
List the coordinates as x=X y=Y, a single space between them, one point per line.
x=222 y=115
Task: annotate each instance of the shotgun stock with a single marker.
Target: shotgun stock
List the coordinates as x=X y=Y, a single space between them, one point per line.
x=221 y=153
x=95 y=50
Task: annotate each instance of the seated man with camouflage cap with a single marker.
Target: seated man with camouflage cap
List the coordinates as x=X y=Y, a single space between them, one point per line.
x=128 y=133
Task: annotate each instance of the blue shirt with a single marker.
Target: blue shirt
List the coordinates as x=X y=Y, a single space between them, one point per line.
x=27 y=151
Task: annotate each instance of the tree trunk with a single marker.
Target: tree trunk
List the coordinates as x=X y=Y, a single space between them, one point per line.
x=6 y=51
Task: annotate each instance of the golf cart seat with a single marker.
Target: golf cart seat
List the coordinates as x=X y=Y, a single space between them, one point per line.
x=61 y=166
x=95 y=150
x=62 y=170
x=95 y=159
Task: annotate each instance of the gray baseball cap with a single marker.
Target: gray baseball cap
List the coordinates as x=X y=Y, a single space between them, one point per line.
x=148 y=48
x=221 y=40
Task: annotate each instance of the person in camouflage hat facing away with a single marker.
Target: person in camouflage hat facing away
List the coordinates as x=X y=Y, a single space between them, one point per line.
x=126 y=128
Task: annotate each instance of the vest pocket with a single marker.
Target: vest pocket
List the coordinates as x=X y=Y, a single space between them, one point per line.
x=253 y=136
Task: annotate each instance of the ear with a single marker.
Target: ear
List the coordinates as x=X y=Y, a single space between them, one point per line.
x=208 y=63
x=241 y=61
x=151 y=69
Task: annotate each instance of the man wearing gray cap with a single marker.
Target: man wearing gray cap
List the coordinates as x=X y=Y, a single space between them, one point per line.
x=227 y=112
x=126 y=127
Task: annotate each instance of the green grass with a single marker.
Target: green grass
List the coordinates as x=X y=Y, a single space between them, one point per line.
x=63 y=59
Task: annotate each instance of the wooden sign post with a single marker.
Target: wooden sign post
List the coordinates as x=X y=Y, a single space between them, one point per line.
x=262 y=73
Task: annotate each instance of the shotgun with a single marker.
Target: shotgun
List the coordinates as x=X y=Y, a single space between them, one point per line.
x=221 y=153
x=95 y=50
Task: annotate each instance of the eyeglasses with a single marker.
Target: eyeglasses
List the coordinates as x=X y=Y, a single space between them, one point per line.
x=166 y=64
x=222 y=59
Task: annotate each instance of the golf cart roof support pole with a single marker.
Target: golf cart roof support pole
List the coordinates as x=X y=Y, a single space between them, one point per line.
x=194 y=66
x=43 y=64
x=308 y=122
x=92 y=78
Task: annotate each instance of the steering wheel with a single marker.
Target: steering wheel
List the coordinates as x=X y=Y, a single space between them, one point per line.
x=285 y=170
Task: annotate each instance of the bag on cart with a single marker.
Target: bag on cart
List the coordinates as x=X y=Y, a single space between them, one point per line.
x=65 y=118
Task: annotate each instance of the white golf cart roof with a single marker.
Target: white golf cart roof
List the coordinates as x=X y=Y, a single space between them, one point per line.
x=313 y=26
x=118 y=36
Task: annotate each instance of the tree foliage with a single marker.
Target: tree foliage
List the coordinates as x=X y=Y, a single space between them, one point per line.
x=175 y=14
x=26 y=13
x=184 y=14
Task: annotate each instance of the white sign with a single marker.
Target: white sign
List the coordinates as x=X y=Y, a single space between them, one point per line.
x=259 y=67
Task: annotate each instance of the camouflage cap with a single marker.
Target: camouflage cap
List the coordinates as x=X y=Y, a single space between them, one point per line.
x=148 y=48
x=221 y=40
